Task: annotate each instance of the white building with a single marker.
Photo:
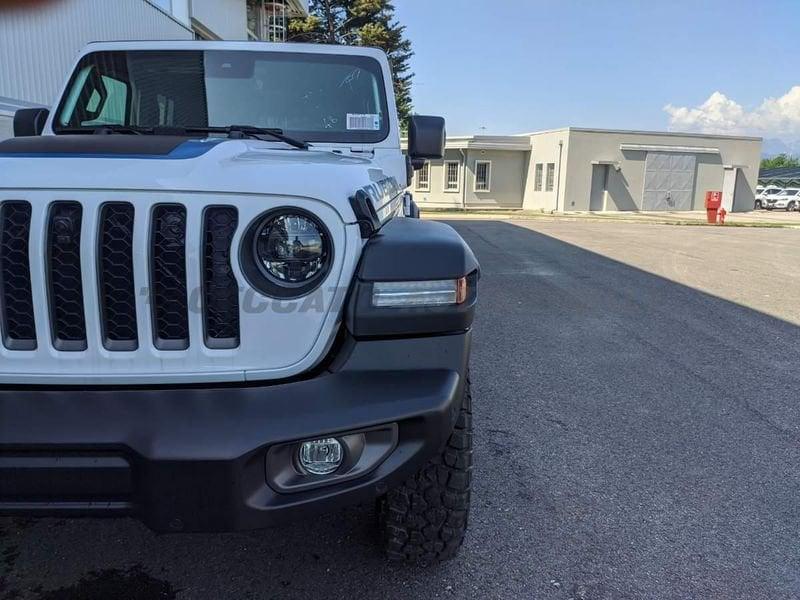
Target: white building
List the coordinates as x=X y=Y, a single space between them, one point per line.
x=575 y=169
x=38 y=45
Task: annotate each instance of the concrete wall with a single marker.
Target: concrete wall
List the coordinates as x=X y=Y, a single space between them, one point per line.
x=549 y=147
x=436 y=196
x=626 y=183
x=507 y=187
x=748 y=154
x=508 y=172
x=38 y=45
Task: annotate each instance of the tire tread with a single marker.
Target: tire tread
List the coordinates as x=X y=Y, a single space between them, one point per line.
x=424 y=521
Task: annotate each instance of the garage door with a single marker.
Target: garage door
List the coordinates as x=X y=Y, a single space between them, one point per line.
x=668 y=181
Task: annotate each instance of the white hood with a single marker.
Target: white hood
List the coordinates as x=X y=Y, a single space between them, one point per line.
x=212 y=165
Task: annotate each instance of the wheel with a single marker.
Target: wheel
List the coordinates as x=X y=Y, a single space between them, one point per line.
x=758 y=205
x=769 y=208
x=423 y=521
x=790 y=206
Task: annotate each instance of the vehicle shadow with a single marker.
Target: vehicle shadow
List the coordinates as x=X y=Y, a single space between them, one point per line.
x=635 y=437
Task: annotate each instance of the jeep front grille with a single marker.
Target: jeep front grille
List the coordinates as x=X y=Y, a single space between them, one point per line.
x=113 y=254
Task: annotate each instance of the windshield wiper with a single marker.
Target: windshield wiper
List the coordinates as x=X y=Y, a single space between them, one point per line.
x=242 y=131
x=232 y=131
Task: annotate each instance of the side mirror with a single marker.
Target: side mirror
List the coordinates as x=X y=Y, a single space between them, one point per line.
x=426 y=139
x=30 y=121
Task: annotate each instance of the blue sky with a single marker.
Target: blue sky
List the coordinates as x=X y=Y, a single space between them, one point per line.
x=520 y=65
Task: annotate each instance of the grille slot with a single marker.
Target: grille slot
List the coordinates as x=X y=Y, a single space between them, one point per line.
x=65 y=284
x=16 y=299
x=115 y=277
x=220 y=289
x=168 y=277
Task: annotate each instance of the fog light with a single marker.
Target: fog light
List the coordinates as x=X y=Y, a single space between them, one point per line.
x=321 y=457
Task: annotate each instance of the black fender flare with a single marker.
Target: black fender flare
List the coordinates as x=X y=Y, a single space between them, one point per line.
x=412 y=250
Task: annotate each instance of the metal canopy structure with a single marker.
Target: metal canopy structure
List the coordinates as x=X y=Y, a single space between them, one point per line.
x=782 y=177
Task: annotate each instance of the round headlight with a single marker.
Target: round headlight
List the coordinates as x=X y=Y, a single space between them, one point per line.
x=291 y=249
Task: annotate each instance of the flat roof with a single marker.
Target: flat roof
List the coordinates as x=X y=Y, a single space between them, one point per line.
x=488 y=142
x=647 y=132
x=665 y=148
x=483 y=142
x=522 y=142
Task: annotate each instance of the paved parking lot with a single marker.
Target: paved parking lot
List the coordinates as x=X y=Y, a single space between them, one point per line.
x=761 y=217
x=638 y=436
x=753 y=218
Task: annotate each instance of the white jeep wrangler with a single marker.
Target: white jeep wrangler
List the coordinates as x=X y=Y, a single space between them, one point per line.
x=213 y=314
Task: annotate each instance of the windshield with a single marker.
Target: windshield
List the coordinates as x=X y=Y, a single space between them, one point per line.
x=313 y=97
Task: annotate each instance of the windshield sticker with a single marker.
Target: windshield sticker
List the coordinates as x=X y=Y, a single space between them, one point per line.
x=363 y=122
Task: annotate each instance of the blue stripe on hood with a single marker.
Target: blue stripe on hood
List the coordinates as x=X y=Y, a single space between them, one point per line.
x=188 y=149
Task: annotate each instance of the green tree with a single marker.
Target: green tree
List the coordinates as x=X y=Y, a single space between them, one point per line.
x=782 y=160
x=361 y=23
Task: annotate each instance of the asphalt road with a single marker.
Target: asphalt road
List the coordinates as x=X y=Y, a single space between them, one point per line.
x=637 y=403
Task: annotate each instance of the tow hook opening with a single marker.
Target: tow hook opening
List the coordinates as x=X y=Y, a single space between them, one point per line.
x=306 y=464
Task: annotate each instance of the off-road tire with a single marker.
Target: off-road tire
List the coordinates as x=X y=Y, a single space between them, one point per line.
x=423 y=521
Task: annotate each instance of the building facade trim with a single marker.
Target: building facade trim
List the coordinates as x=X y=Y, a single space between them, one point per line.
x=664 y=148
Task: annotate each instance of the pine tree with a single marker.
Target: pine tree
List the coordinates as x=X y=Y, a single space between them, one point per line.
x=361 y=23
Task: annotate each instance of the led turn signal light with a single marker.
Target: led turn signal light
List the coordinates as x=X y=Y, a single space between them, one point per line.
x=417 y=294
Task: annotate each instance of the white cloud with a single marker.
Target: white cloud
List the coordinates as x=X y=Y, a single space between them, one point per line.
x=774 y=117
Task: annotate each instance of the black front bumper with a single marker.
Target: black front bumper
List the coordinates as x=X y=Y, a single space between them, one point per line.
x=194 y=459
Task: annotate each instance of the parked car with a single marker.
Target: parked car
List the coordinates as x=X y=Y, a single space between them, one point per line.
x=788 y=199
x=231 y=321
x=763 y=192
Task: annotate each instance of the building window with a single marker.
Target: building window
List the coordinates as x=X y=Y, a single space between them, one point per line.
x=538 y=177
x=483 y=175
x=452 y=172
x=551 y=177
x=424 y=178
